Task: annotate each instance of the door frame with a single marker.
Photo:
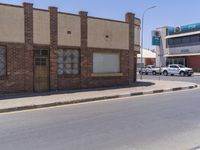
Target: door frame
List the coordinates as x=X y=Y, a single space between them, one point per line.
x=41 y=48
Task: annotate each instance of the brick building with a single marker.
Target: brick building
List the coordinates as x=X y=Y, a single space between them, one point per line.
x=42 y=50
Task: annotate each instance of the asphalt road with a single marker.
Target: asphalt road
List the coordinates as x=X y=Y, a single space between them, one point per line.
x=155 y=122
x=194 y=78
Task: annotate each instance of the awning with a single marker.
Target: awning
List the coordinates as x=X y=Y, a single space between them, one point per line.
x=178 y=55
x=182 y=34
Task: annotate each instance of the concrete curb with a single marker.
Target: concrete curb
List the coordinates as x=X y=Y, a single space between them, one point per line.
x=21 y=108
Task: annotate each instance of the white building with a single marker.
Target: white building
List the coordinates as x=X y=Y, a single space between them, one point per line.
x=148 y=58
x=179 y=45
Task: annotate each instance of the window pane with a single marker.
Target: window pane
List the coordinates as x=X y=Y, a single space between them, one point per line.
x=185 y=39
x=106 y=63
x=2 y=61
x=68 y=62
x=170 y=42
x=194 y=39
x=177 y=41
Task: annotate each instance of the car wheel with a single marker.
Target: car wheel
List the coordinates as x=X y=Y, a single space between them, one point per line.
x=165 y=73
x=146 y=73
x=182 y=73
x=154 y=73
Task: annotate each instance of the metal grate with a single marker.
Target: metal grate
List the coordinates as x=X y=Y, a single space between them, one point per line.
x=68 y=62
x=2 y=61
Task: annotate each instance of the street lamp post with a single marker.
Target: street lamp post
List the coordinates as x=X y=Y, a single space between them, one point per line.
x=141 y=48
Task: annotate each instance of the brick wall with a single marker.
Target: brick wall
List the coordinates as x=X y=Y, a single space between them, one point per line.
x=130 y=18
x=14 y=81
x=53 y=47
x=66 y=82
x=20 y=69
x=113 y=80
x=28 y=52
x=84 y=50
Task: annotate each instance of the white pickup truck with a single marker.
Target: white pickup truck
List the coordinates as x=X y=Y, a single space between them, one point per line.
x=150 y=69
x=176 y=69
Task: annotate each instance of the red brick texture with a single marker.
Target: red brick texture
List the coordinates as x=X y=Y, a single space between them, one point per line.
x=66 y=82
x=130 y=18
x=84 y=50
x=109 y=81
x=53 y=47
x=20 y=70
x=14 y=81
x=28 y=53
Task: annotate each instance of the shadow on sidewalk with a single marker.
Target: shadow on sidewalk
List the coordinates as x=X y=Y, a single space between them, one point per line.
x=24 y=95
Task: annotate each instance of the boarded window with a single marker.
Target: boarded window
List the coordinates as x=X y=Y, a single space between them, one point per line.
x=106 y=62
x=68 y=62
x=2 y=61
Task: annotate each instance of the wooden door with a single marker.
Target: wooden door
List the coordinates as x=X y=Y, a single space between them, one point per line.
x=41 y=70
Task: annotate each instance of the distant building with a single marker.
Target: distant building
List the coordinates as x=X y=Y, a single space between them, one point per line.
x=148 y=58
x=179 y=45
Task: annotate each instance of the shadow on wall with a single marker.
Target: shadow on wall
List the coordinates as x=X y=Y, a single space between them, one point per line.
x=22 y=95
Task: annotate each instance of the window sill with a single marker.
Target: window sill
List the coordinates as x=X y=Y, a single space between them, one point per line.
x=107 y=74
x=69 y=75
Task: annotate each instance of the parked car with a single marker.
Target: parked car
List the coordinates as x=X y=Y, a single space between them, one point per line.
x=150 y=69
x=176 y=69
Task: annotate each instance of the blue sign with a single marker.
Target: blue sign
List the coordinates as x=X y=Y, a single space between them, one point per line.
x=185 y=28
x=190 y=27
x=155 y=40
x=170 y=30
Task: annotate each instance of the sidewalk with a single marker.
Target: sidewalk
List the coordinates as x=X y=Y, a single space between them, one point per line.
x=10 y=103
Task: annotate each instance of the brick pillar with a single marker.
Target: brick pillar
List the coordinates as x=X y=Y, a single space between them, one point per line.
x=28 y=47
x=53 y=47
x=130 y=19
x=84 y=50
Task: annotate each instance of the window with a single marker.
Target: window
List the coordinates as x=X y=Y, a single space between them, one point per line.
x=106 y=62
x=194 y=39
x=2 y=61
x=170 y=41
x=185 y=39
x=68 y=62
x=177 y=41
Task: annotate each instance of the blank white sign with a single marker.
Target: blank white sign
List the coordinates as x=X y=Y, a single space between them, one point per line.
x=106 y=62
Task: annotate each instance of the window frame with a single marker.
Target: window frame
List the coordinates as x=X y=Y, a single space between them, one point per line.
x=119 y=56
x=2 y=77
x=183 y=41
x=79 y=63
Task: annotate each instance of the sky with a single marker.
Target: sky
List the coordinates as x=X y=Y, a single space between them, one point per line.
x=167 y=12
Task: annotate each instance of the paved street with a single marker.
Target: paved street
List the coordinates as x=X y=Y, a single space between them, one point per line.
x=194 y=78
x=156 y=122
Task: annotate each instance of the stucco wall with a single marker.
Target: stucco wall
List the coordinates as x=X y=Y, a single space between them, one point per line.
x=11 y=24
x=137 y=35
x=117 y=32
x=69 y=23
x=41 y=27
